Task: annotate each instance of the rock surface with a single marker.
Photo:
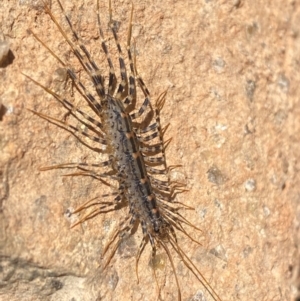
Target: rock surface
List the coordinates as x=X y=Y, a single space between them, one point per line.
x=231 y=69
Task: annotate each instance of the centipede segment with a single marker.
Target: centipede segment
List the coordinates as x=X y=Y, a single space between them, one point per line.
x=134 y=144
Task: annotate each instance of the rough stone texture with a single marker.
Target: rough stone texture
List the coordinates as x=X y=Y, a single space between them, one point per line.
x=231 y=69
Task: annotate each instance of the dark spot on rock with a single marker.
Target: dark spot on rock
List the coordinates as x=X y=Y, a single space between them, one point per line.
x=56 y=284
x=250 y=89
x=215 y=176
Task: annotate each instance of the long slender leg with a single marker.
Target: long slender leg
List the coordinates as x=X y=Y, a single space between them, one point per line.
x=71 y=128
x=123 y=86
x=76 y=165
x=89 y=98
x=131 y=97
x=69 y=106
x=112 y=75
x=138 y=255
x=80 y=52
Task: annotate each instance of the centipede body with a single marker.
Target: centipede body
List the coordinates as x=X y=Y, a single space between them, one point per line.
x=132 y=139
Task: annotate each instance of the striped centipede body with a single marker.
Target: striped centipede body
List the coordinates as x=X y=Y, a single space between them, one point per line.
x=135 y=148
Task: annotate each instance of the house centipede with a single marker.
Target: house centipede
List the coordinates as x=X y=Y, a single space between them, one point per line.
x=134 y=142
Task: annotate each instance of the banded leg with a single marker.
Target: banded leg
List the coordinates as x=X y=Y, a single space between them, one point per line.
x=154 y=160
x=73 y=110
x=149 y=128
x=80 y=52
x=124 y=228
x=131 y=97
x=142 y=109
x=112 y=75
x=123 y=86
x=89 y=98
x=72 y=129
x=158 y=133
x=147 y=102
x=101 y=207
x=76 y=165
